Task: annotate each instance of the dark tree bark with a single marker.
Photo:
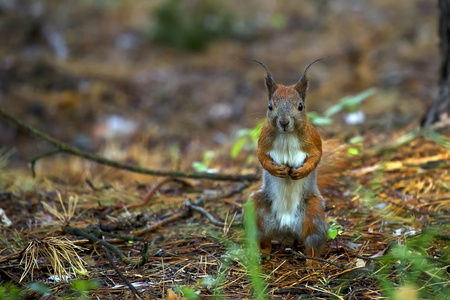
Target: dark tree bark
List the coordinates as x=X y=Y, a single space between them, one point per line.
x=440 y=110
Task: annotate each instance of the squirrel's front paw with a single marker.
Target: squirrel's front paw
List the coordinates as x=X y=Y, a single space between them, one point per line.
x=297 y=174
x=279 y=171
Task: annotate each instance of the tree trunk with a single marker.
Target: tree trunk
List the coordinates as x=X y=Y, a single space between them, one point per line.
x=440 y=110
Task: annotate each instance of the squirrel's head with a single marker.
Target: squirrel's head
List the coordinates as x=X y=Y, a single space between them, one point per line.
x=286 y=111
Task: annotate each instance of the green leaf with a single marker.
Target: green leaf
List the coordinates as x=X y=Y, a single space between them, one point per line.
x=349 y=102
x=333 y=110
x=354 y=100
x=188 y=293
x=238 y=146
x=199 y=166
x=9 y=291
x=82 y=285
x=353 y=151
x=40 y=288
x=316 y=119
x=246 y=138
x=334 y=230
x=438 y=138
x=207 y=158
x=174 y=152
x=356 y=140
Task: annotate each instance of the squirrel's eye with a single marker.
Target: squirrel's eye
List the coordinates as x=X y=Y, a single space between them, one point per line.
x=270 y=106
x=300 y=106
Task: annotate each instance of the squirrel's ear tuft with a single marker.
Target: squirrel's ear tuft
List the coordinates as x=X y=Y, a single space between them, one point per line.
x=302 y=86
x=270 y=82
x=271 y=85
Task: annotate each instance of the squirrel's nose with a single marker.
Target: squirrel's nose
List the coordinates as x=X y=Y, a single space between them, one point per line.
x=284 y=122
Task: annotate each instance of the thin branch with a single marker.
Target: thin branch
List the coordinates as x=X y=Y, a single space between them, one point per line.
x=91 y=185
x=113 y=265
x=155 y=226
x=94 y=239
x=82 y=232
x=33 y=160
x=153 y=190
x=104 y=161
x=204 y=212
x=113 y=235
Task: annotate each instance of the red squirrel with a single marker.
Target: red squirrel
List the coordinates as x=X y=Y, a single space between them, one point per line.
x=289 y=205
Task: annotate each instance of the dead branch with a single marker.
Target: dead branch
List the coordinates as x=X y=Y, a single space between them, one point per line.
x=113 y=235
x=204 y=212
x=61 y=147
x=93 y=238
x=113 y=265
x=33 y=160
x=82 y=232
x=174 y=217
x=155 y=188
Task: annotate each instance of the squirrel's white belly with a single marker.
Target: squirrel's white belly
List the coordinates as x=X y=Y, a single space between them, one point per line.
x=288 y=194
x=286 y=151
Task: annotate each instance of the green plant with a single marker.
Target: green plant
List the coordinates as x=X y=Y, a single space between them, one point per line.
x=319 y=120
x=357 y=143
x=187 y=292
x=191 y=26
x=334 y=230
x=79 y=290
x=247 y=139
x=203 y=166
x=82 y=287
x=349 y=103
x=40 y=288
x=246 y=253
x=407 y=271
x=253 y=264
x=10 y=292
x=175 y=153
x=408 y=267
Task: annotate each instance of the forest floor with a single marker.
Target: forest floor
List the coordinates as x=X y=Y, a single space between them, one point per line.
x=125 y=97
x=406 y=200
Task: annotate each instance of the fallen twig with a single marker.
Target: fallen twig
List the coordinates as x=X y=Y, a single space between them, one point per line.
x=61 y=147
x=153 y=190
x=204 y=212
x=113 y=235
x=33 y=160
x=94 y=239
x=113 y=265
x=174 y=217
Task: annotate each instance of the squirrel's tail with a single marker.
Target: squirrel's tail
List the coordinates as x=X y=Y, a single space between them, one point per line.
x=334 y=161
